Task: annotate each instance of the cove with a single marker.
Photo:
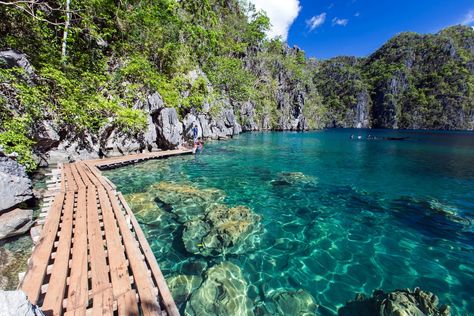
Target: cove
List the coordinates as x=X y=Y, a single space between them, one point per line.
x=320 y=215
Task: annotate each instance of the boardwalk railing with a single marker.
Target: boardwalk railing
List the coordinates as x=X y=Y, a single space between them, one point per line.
x=92 y=256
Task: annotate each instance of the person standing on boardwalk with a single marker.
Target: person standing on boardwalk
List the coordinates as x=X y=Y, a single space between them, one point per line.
x=195 y=133
x=195 y=137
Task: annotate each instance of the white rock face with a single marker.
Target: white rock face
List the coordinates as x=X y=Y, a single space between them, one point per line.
x=15 y=303
x=15 y=222
x=169 y=129
x=15 y=186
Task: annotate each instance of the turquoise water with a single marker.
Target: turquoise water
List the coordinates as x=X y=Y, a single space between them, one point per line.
x=338 y=216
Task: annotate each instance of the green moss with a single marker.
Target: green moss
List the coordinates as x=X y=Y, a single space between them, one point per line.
x=14 y=139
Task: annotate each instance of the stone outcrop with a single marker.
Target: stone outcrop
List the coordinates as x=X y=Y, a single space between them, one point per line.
x=81 y=147
x=182 y=286
x=15 y=185
x=15 y=222
x=223 y=292
x=293 y=178
x=46 y=136
x=185 y=201
x=16 y=303
x=211 y=228
x=289 y=302
x=14 y=254
x=169 y=129
x=395 y=303
x=223 y=230
x=14 y=59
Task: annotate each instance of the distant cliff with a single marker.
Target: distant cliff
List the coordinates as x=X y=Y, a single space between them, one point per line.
x=412 y=82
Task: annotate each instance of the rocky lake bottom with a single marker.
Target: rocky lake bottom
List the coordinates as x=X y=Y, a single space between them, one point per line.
x=298 y=223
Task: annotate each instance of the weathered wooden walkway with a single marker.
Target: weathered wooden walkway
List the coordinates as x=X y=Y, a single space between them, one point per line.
x=92 y=257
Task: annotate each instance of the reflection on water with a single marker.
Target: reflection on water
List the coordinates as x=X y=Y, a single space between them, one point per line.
x=335 y=217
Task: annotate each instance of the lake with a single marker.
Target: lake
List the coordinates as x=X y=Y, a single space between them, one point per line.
x=326 y=214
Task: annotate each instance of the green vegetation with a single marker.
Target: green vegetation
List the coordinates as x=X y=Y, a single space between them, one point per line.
x=207 y=52
x=414 y=81
x=118 y=52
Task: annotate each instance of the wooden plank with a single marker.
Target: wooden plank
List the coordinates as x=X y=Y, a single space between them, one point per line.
x=70 y=181
x=55 y=294
x=135 y=157
x=108 y=292
x=127 y=304
x=117 y=261
x=80 y=168
x=77 y=177
x=33 y=280
x=165 y=293
x=77 y=312
x=63 y=179
x=148 y=300
x=102 y=299
x=97 y=176
x=78 y=284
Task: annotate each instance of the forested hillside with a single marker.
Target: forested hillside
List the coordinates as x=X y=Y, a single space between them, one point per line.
x=414 y=81
x=81 y=79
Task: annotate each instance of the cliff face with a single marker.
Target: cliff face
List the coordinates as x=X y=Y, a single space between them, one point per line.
x=414 y=82
x=286 y=75
x=344 y=92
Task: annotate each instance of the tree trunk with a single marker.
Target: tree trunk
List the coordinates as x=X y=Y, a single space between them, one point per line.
x=66 y=30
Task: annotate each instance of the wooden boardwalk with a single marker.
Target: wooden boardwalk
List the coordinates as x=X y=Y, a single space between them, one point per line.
x=92 y=257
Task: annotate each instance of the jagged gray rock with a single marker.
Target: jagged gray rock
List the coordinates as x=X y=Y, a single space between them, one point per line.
x=247 y=115
x=15 y=303
x=224 y=292
x=15 y=222
x=81 y=147
x=395 y=303
x=46 y=136
x=189 y=121
x=12 y=58
x=154 y=103
x=15 y=186
x=169 y=129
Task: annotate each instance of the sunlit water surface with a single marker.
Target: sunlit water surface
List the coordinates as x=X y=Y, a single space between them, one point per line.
x=377 y=214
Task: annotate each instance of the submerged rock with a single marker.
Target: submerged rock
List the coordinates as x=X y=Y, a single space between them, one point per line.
x=223 y=292
x=14 y=255
x=223 y=230
x=145 y=209
x=185 y=201
x=395 y=303
x=431 y=218
x=182 y=286
x=211 y=228
x=287 y=302
x=293 y=178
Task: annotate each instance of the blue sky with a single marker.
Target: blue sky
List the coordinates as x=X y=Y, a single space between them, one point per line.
x=328 y=28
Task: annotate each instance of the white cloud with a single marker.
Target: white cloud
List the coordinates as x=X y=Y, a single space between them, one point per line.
x=357 y=14
x=341 y=22
x=282 y=14
x=316 y=21
x=469 y=18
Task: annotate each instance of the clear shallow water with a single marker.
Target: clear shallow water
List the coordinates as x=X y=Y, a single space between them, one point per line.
x=371 y=214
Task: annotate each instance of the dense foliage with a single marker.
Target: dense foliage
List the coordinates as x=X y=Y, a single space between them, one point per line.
x=415 y=81
x=200 y=52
